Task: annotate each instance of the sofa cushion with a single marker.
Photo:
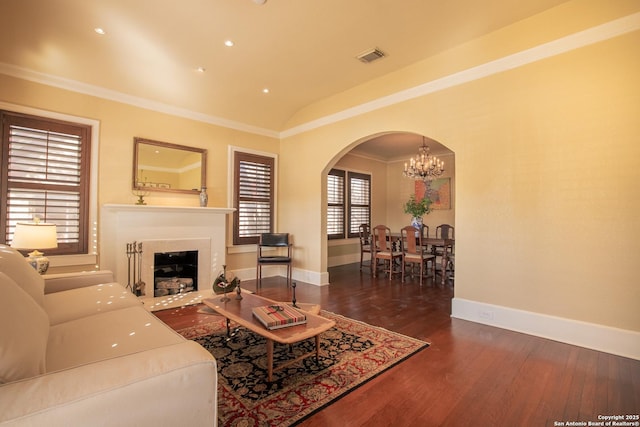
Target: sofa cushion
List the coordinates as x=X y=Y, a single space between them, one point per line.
x=77 y=303
x=23 y=342
x=106 y=335
x=13 y=264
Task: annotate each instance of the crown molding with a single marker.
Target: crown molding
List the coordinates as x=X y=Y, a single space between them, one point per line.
x=574 y=41
x=112 y=95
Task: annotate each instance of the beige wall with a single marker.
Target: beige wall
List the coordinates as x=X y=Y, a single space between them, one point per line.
x=547 y=165
x=546 y=156
x=120 y=123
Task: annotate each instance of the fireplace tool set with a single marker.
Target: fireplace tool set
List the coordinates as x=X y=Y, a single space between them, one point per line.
x=134 y=275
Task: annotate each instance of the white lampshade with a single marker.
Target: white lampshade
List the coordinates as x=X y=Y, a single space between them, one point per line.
x=31 y=235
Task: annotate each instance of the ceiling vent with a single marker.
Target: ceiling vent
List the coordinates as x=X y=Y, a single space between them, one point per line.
x=370 y=55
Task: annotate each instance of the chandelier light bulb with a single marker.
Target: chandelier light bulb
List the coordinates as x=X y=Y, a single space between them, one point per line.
x=423 y=166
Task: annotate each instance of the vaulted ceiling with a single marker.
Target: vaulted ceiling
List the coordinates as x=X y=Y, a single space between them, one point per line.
x=300 y=50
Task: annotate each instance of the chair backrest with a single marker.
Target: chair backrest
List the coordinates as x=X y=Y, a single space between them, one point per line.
x=425 y=231
x=381 y=235
x=274 y=239
x=411 y=241
x=445 y=231
x=365 y=234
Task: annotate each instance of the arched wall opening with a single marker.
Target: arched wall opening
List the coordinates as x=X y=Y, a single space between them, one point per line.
x=383 y=156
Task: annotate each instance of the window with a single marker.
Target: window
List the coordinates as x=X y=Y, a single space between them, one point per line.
x=336 y=204
x=253 y=188
x=359 y=201
x=358 y=195
x=45 y=173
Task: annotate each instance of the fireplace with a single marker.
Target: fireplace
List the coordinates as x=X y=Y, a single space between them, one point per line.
x=164 y=229
x=175 y=273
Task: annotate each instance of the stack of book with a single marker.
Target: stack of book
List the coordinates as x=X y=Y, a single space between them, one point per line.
x=278 y=316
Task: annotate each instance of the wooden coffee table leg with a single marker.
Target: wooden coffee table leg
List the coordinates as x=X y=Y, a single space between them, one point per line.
x=269 y=360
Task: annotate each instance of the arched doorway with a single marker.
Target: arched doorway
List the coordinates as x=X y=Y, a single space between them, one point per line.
x=382 y=156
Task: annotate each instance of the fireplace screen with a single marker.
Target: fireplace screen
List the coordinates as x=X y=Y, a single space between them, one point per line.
x=175 y=272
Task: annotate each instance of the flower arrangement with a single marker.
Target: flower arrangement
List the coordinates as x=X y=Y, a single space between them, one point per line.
x=417 y=208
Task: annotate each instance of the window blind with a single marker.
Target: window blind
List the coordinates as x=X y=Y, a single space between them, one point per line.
x=359 y=201
x=254 y=197
x=336 y=204
x=45 y=174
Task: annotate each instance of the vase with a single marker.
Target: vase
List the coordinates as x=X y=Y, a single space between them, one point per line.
x=204 y=198
x=416 y=222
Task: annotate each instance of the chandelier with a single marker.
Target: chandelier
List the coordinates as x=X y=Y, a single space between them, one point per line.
x=423 y=166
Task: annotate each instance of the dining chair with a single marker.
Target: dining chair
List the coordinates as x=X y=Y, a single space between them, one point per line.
x=424 y=231
x=385 y=250
x=413 y=252
x=273 y=242
x=364 y=232
x=445 y=231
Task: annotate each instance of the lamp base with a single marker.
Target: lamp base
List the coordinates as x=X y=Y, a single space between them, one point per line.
x=38 y=261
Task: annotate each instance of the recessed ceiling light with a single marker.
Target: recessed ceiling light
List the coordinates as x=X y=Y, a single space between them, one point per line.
x=100 y=31
x=201 y=69
x=228 y=43
x=265 y=90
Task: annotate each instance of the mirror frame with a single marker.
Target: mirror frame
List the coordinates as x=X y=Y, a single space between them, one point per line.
x=203 y=167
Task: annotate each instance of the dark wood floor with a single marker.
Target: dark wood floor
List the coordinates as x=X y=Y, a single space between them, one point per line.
x=470 y=375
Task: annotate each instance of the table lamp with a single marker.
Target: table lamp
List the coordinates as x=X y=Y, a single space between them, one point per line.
x=32 y=235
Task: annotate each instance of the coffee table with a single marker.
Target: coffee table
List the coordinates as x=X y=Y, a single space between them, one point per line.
x=240 y=312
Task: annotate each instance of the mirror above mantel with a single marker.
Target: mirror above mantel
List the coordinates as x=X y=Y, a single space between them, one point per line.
x=167 y=167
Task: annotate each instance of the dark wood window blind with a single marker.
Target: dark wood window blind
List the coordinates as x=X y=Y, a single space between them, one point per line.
x=348 y=203
x=359 y=201
x=336 y=204
x=253 y=187
x=45 y=173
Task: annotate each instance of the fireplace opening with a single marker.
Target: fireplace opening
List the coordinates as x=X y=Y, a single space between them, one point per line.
x=175 y=272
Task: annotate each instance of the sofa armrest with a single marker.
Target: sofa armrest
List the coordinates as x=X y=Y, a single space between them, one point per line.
x=166 y=386
x=65 y=281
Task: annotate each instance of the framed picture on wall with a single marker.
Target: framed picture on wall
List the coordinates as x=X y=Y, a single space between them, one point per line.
x=439 y=192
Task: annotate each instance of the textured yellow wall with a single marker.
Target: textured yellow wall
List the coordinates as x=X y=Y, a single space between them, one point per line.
x=120 y=123
x=547 y=163
x=547 y=171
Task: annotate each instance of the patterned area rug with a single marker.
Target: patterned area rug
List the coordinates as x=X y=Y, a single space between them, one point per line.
x=351 y=353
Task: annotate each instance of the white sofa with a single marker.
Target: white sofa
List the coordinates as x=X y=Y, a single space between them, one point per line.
x=80 y=350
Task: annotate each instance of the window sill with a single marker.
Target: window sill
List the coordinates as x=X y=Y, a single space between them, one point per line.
x=72 y=260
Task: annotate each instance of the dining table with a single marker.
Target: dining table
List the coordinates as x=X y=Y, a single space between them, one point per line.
x=432 y=244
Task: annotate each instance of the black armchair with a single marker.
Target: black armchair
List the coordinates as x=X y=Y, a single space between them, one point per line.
x=273 y=241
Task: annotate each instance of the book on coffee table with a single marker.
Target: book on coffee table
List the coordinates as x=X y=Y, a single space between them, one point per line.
x=278 y=316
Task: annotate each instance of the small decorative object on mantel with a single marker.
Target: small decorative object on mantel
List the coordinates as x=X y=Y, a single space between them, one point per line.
x=140 y=194
x=204 y=198
x=223 y=284
x=417 y=209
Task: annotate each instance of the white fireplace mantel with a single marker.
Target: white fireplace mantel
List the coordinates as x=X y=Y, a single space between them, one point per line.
x=121 y=224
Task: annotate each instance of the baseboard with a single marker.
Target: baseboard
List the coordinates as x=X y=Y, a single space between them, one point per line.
x=621 y=342
x=311 y=277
